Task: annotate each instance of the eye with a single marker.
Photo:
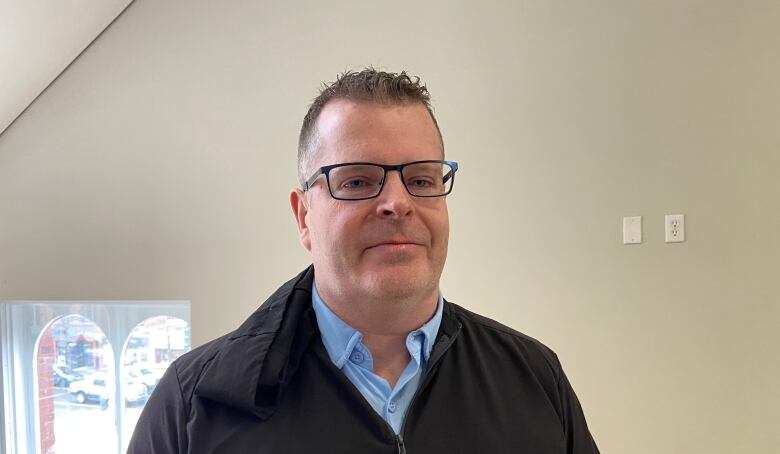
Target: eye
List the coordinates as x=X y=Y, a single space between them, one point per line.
x=361 y=183
x=354 y=183
x=420 y=183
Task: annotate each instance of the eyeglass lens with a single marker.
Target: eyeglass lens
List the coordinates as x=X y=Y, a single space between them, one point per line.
x=358 y=181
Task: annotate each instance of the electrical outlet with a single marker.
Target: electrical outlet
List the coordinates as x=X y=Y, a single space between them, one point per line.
x=675 y=228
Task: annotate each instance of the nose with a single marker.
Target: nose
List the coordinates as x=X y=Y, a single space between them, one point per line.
x=394 y=202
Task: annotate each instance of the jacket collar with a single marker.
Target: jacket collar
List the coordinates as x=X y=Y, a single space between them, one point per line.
x=251 y=367
x=248 y=370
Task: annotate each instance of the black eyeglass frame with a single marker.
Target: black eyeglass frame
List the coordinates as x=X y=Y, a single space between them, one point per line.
x=398 y=167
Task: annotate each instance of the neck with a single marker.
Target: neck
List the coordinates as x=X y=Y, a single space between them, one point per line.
x=385 y=323
x=381 y=315
x=389 y=353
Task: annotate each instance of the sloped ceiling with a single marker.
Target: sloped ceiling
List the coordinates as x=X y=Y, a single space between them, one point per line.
x=39 y=39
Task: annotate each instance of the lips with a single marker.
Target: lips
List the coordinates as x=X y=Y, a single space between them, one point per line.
x=395 y=242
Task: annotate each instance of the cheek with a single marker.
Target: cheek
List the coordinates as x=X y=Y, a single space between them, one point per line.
x=331 y=234
x=318 y=231
x=440 y=226
x=444 y=235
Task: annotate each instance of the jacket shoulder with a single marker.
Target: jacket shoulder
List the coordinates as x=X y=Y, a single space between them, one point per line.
x=487 y=331
x=210 y=366
x=517 y=359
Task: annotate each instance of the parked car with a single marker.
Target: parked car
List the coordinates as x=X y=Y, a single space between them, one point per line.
x=146 y=377
x=91 y=389
x=62 y=376
x=134 y=392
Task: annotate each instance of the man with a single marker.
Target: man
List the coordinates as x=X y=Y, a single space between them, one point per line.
x=360 y=353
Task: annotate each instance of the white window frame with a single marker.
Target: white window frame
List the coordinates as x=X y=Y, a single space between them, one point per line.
x=20 y=332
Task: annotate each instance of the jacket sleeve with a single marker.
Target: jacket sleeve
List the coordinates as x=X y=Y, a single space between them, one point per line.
x=578 y=437
x=161 y=428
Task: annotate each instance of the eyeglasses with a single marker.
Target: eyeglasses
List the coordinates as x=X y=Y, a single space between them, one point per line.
x=365 y=180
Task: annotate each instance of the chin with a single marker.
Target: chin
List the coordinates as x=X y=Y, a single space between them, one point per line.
x=399 y=282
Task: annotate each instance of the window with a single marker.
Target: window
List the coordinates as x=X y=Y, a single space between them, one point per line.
x=76 y=375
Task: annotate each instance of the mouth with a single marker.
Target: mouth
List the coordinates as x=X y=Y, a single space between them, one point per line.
x=398 y=245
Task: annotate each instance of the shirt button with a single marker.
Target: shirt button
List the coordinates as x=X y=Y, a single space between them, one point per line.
x=391 y=407
x=357 y=357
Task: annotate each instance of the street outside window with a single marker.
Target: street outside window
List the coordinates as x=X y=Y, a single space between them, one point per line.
x=76 y=375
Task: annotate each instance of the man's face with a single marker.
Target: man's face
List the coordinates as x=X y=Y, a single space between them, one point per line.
x=391 y=246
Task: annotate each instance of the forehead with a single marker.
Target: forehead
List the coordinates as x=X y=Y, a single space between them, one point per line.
x=387 y=134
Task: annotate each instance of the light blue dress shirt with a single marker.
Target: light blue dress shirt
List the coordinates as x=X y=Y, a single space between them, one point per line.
x=346 y=350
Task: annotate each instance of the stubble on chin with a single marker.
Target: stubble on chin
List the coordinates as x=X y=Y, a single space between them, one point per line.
x=401 y=288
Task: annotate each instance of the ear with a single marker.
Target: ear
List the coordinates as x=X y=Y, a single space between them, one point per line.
x=300 y=208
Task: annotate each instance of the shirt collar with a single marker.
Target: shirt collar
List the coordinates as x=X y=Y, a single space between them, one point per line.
x=340 y=339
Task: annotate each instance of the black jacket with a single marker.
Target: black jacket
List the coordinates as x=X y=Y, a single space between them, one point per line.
x=270 y=387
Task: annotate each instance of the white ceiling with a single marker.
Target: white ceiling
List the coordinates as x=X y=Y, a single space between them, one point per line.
x=39 y=39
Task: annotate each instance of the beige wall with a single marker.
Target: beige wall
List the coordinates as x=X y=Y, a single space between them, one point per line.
x=158 y=165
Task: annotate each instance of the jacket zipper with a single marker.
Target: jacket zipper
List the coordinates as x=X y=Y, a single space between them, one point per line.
x=399 y=440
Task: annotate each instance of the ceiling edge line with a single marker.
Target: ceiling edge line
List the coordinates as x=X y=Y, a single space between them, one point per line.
x=66 y=68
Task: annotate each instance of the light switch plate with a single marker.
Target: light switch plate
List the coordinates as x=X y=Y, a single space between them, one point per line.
x=632 y=230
